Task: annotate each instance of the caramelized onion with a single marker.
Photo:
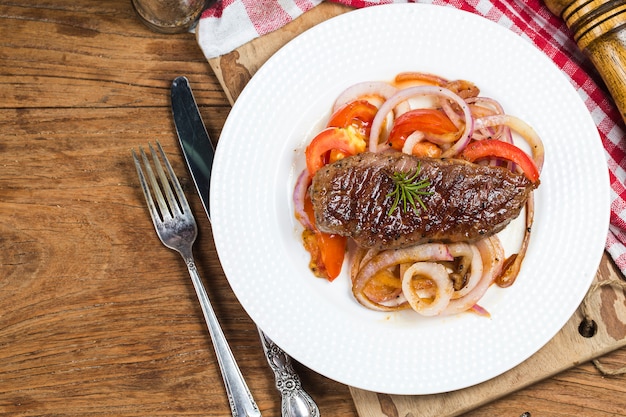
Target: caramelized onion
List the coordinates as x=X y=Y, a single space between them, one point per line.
x=435 y=296
x=390 y=258
x=508 y=276
x=426 y=284
x=420 y=77
x=472 y=258
x=492 y=255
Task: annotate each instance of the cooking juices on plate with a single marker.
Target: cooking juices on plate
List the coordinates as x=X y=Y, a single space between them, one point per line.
x=410 y=182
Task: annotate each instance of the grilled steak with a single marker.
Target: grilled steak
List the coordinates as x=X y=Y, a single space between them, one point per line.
x=351 y=197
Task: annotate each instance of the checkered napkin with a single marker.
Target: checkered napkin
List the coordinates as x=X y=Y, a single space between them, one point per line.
x=231 y=23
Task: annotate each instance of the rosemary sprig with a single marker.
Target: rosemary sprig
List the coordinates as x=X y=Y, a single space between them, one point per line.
x=408 y=191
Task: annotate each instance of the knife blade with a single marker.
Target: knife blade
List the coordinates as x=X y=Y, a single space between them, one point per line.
x=199 y=152
x=197 y=147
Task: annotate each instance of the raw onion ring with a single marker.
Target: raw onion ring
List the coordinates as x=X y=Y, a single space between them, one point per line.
x=299 y=195
x=501 y=132
x=402 y=96
x=365 y=90
x=518 y=125
x=410 y=142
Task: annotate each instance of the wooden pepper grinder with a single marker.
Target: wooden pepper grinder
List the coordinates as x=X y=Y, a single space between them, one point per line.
x=599 y=29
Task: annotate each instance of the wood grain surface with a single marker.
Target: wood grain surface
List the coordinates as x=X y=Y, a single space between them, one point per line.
x=97 y=317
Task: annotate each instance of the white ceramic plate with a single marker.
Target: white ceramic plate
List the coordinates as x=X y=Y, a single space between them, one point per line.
x=319 y=323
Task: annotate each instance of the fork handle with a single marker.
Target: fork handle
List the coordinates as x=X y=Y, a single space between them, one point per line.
x=241 y=402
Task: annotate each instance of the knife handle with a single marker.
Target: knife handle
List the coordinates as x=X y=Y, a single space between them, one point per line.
x=599 y=30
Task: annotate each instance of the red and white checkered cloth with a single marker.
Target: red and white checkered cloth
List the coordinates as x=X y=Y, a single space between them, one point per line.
x=231 y=23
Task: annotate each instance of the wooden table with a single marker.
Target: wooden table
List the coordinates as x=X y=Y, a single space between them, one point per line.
x=97 y=317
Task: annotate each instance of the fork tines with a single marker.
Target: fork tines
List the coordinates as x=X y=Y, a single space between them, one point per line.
x=169 y=206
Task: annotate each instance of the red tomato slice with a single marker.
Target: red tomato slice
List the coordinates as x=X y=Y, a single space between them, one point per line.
x=358 y=113
x=330 y=250
x=345 y=140
x=423 y=120
x=495 y=148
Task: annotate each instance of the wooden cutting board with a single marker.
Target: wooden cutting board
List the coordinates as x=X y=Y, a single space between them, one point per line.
x=605 y=303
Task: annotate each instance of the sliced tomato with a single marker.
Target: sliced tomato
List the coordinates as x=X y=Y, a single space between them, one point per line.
x=488 y=148
x=327 y=250
x=422 y=120
x=358 y=113
x=332 y=250
x=345 y=140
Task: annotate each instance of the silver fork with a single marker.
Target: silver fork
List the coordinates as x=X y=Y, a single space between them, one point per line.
x=176 y=227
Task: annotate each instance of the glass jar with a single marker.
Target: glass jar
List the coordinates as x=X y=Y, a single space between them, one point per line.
x=169 y=16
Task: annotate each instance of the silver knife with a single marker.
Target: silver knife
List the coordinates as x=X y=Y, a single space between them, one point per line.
x=199 y=153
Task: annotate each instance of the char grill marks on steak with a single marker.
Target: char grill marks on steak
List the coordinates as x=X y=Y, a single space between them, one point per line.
x=467 y=202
